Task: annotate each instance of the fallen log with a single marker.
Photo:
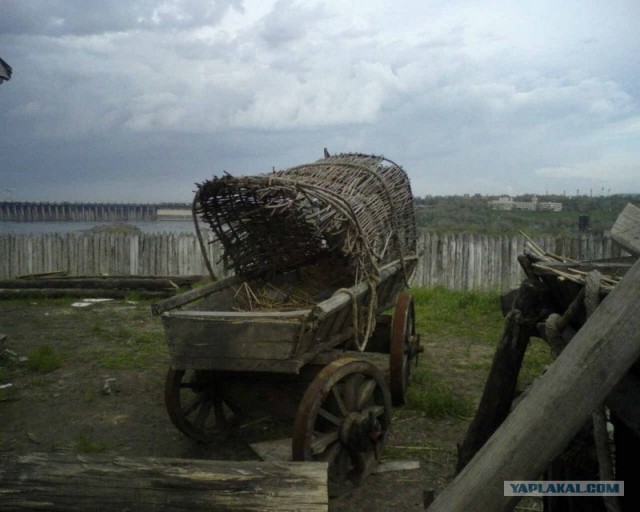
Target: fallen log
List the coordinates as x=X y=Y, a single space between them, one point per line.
x=81 y=293
x=91 y=282
x=179 y=280
x=72 y=483
x=561 y=401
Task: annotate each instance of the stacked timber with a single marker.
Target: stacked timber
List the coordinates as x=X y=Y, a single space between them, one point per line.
x=57 y=285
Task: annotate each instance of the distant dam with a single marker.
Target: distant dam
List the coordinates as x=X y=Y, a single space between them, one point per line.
x=15 y=211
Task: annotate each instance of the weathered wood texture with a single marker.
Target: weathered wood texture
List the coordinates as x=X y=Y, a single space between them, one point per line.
x=65 y=482
x=544 y=422
x=455 y=261
x=626 y=230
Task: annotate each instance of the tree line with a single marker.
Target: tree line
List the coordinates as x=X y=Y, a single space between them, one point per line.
x=472 y=214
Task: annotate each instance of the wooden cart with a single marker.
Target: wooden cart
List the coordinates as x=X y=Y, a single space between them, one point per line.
x=342 y=413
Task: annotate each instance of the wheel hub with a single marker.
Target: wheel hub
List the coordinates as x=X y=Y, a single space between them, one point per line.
x=360 y=430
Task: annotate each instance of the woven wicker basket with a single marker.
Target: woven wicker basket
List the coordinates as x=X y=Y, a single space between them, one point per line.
x=354 y=207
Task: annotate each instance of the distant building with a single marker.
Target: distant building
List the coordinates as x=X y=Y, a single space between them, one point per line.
x=502 y=203
x=507 y=203
x=548 y=206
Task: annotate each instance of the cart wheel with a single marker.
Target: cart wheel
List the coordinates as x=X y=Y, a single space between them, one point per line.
x=343 y=419
x=194 y=403
x=405 y=344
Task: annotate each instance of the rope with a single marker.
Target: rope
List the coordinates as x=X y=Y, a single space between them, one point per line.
x=553 y=333
x=354 y=314
x=592 y=291
x=370 y=320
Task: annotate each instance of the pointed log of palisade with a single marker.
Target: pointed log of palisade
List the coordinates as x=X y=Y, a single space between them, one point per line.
x=495 y=404
x=72 y=483
x=560 y=402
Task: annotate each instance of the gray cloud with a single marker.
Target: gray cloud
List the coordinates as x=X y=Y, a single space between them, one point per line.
x=81 y=18
x=147 y=96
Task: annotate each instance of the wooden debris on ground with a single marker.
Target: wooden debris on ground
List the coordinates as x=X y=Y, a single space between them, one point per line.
x=280 y=450
x=54 y=285
x=72 y=483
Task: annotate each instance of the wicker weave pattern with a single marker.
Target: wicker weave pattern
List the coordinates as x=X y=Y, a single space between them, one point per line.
x=353 y=205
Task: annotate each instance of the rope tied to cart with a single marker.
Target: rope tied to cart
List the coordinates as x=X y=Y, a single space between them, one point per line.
x=361 y=343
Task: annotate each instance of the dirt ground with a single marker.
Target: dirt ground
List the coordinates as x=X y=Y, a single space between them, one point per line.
x=107 y=397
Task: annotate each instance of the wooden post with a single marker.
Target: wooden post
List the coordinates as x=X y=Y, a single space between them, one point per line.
x=495 y=404
x=544 y=422
x=68 y=482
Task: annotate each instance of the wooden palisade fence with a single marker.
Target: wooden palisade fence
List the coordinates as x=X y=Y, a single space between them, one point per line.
x=455 y=261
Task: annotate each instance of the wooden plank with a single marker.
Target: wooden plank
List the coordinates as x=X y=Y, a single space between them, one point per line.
x=73 y=483
x=556 y=407
x=238 y=364
x=626 y=230
x=192 y=295
x=329 y=306
x=210 y=336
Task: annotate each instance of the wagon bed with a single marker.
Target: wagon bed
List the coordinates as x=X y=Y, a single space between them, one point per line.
x=204 y=333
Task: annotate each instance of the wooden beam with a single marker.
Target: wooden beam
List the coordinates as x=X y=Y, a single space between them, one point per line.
x=72 y=483
x=499 y=390
x=544 y=422
x=192 y=295
x=626 y=230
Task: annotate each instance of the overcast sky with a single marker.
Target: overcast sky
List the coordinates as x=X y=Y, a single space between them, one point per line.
x=137 y=100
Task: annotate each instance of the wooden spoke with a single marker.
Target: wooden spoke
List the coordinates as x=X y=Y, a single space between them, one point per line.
x=339 y=401
x=187 y=392
x=195 y=403
x=203 y=413
x=322 y=441
x=365 y=392
x=334 y=421
x=329 y=417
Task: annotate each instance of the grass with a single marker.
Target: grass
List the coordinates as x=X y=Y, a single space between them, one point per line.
x=84 y=444
x=474 y=320
x=442 y=313
x=44 y=360
x=431 y=395
x=123 y=347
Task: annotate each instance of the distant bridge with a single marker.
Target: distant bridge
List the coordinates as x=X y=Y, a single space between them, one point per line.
x=17 y=211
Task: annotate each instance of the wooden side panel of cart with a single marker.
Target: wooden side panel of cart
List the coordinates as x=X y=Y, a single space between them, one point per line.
x=202 y=337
